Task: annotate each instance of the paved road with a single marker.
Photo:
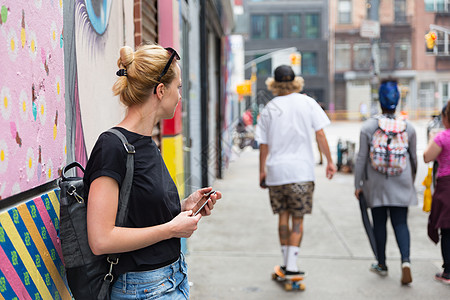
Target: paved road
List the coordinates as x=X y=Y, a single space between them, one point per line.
x=232 y=254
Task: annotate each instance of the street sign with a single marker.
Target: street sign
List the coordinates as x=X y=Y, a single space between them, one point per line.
x=245 y=88
x=370 y=29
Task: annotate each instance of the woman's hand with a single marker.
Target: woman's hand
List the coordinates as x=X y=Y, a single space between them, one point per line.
x=183 y=225
x=193 y=198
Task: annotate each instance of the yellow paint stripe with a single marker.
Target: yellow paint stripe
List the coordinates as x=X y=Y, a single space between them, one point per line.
x=21 y=249
x=54 y=201
x=1 y=297
x=40 y=245
x=172 y=152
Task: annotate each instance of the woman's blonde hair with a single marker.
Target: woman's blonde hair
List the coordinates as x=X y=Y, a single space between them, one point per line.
x=143 y=67
x=285 y=88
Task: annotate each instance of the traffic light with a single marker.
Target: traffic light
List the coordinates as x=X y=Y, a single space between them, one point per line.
x=430 y=39
x=296 y=59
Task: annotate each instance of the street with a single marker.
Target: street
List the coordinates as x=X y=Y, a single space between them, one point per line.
x=232 y=254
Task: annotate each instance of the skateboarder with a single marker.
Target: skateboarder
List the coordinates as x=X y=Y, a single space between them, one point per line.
x=286 y=166
x=385 y=170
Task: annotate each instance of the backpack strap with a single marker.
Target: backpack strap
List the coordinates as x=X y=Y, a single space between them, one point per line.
x=122 y=210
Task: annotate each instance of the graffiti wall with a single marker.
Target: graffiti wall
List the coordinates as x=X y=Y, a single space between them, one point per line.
x=55 y=98
x=30 y=253
x=100 y=29
x=32 y=117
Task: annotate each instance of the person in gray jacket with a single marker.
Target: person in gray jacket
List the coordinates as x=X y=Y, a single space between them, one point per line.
x=388 y=193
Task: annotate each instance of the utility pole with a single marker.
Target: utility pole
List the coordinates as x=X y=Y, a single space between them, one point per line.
x=373 y=15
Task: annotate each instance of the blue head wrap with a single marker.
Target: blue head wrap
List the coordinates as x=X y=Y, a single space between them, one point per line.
x=389 y=95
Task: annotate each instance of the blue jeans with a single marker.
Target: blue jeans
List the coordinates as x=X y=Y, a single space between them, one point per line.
x=398 y=217
x=169 y=282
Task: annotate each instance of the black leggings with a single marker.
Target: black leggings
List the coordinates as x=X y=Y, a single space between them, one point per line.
x=398 y=216
x=445 y=248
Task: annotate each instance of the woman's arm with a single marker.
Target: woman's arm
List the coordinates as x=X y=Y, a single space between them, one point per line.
x=412 y=145
x=432 y=151
x=105 y=237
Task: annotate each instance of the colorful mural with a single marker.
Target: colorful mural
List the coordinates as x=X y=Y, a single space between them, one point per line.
x=32 y=108
x=30 y=251
x=93 y=39
x=45 y=93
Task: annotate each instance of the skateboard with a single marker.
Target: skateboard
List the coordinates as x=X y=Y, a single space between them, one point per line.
x=289 y=284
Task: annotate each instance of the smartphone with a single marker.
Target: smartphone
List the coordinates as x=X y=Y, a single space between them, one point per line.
x=201 y=203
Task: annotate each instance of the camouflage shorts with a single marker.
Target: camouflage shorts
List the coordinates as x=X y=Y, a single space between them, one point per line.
x=293 y=197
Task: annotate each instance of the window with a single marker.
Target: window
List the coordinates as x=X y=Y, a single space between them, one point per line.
x=258 y=27
x=385 y=56
x=444 y=92
x=309 y=63
x=426 y=95
x=437 y=5
x=402 y=57
x=264 y=68
x=294 y=26
x=400 y=11
x=362 y=56
x=343 y=57
x=345 y=11
x=312 y=26
x=275 y=27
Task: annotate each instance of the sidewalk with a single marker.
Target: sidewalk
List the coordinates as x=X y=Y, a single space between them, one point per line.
x=232 y=254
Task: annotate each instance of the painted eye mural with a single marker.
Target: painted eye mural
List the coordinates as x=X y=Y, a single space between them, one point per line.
x=98 y=12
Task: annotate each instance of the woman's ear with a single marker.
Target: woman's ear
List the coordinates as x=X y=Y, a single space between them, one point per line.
x=160 y=90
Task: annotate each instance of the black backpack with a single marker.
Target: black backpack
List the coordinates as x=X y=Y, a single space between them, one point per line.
x=89 y=276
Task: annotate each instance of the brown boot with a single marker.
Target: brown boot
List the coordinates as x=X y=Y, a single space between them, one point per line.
x=406 y=273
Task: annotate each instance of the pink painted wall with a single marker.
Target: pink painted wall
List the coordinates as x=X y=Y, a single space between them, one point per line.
x=32 y=118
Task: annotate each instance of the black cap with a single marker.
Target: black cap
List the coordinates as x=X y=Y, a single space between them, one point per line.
x=284 y=73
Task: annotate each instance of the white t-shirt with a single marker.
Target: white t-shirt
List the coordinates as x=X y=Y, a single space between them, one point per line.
x=287 y=124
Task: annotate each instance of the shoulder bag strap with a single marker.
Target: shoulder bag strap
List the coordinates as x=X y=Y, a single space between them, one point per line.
x=125 y=189
x=122 y=209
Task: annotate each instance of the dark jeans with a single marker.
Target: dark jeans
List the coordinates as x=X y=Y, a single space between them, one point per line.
x=445 y=248
x=398 y=217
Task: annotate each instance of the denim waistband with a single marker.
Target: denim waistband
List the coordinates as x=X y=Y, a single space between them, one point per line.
x=152 y=275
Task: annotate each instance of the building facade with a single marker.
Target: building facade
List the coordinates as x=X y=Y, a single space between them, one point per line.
x=277 y=25
x=423 y=77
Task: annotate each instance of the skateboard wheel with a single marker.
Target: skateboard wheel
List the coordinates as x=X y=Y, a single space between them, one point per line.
x=302 y=286
x=274 y=276
x=288 y=286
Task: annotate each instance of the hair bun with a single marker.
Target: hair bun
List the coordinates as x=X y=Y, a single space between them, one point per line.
x=126 y=56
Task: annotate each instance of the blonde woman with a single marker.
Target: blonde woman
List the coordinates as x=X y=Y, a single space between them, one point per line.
x=151 y=263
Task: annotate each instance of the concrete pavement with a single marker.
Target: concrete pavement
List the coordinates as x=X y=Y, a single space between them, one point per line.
x=232 y=254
